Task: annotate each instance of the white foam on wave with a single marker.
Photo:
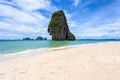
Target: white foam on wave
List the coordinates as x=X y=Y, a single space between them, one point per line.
x=4 y=57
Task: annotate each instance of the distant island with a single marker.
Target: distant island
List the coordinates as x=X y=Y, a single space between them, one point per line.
x=41 y=38
x=27 y=38
x=58 y=27
x=38 y=38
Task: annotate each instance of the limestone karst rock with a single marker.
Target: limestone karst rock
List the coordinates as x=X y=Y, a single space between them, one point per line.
x=58 y=27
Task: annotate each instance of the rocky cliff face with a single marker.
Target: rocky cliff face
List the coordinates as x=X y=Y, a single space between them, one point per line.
x=58 y=27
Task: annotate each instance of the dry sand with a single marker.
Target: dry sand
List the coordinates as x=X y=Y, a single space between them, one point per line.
x=90 y=62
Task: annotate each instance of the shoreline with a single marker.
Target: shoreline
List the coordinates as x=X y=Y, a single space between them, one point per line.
x=99 y=61
x=32 y=52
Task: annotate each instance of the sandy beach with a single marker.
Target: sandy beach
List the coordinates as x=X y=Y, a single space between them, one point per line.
x=88 y=62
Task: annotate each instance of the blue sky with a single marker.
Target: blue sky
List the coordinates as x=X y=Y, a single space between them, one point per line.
x=86 y=18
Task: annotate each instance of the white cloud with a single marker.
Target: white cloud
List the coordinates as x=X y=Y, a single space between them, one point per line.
x=105 y=23
x=30 y=5
x=107 y=30
x=76 y=2
x=22 y=18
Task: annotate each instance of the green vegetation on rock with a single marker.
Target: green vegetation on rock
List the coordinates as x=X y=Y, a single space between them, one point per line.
x=58 y=27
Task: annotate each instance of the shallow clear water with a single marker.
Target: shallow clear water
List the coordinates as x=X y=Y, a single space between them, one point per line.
x=12 y=46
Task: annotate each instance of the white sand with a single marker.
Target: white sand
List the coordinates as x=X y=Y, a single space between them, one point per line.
x=90 y=62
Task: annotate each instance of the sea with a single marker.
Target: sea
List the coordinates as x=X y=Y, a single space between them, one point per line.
x=14 y=46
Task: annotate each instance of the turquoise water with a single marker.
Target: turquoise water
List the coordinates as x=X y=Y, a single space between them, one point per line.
x=12 y=46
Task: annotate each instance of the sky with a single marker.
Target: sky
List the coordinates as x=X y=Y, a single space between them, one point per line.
x=87 y=19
